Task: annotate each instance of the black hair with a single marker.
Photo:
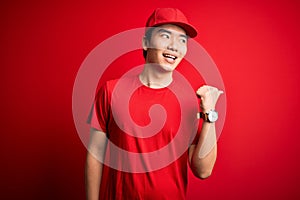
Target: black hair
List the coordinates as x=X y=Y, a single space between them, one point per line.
x=148 y=35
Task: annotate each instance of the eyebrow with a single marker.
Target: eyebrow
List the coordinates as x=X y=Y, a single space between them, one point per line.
x=162 y=30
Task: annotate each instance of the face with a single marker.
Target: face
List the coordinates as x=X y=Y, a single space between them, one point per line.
x=166 y=47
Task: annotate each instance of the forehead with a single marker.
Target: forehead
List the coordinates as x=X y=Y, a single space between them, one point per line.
x=171 y=28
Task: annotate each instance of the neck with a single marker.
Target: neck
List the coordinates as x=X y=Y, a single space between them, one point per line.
x=155 y=79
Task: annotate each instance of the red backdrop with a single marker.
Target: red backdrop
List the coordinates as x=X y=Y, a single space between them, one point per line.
x=255 y=44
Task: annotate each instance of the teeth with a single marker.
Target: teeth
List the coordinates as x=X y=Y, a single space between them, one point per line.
x=170 y=56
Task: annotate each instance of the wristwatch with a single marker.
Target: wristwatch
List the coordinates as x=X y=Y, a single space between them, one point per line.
x=211 y=116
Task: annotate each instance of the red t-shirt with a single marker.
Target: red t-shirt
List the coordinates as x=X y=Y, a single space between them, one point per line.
x=156 y=165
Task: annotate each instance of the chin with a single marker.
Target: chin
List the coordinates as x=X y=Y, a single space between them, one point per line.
x=169 y=68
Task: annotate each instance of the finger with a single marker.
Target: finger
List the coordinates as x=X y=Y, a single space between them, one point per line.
x=202 y=90
x=219 y=93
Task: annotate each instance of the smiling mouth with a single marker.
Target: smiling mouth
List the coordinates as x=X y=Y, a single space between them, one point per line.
x=169 y=56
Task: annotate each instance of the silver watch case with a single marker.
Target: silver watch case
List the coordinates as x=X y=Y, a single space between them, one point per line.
x=212 y=116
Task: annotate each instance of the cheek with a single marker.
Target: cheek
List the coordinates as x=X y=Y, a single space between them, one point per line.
x=183 y=51
x=153 y=54
x=158 y=44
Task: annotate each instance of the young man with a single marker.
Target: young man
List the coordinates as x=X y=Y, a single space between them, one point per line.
x=163 y=176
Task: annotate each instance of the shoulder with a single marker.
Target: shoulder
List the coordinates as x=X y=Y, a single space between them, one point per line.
x=120 y=82
x=123 y=83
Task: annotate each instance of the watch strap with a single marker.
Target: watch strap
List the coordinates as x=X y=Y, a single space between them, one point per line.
x=204 y=116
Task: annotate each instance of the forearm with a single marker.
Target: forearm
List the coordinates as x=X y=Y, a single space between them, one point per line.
x=94 y=163
x=203 y=155
x=93 y=174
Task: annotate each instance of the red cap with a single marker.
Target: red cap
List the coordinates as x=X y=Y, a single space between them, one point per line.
x=162 y=16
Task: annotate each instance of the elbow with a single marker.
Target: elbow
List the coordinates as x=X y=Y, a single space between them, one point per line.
x=202 y=174
x=202 y=168
x=200 y=171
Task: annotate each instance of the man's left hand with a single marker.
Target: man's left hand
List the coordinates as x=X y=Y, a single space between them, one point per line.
x=209 y=96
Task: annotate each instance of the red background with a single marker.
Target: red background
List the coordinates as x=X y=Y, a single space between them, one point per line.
x=255 y=44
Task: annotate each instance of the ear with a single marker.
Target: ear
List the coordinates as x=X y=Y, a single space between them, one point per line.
x=145 y=43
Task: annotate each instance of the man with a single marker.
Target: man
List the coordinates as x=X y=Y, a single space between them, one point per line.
x=142 y=177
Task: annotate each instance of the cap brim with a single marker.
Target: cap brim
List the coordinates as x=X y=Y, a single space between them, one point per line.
x=190 y=30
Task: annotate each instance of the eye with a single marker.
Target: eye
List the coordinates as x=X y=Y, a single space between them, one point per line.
x=165 y=35
x=182 y=40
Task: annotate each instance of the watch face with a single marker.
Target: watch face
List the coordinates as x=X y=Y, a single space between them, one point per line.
x=212 y=116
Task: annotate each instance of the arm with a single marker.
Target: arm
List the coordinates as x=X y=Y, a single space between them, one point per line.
x=202 y=157
x=94 y=166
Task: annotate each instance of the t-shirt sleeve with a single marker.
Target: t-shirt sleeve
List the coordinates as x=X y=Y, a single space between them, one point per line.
x=99 y=114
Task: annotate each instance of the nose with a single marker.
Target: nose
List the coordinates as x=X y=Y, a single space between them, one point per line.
x=172 y=46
